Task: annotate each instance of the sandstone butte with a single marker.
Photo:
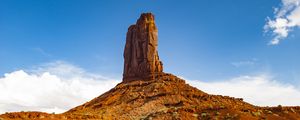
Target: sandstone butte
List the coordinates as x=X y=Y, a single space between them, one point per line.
x=146 y=92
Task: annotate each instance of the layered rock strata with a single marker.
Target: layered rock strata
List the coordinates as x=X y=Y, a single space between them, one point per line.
x=141 y=60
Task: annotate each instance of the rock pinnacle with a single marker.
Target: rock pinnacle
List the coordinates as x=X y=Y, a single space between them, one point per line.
x=141 y=60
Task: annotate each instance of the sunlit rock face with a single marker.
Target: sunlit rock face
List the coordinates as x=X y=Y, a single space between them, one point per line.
x=141 y=60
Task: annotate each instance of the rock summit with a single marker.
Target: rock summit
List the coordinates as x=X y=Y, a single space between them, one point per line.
x=147 y=93
x=141 y=60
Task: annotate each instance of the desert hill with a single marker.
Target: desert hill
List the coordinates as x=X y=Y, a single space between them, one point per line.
x=146 y=92
x=166 y=97
x=169 y=97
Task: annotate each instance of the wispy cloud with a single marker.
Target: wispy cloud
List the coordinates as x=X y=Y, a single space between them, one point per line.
x=286 y=18
x=52 y=87
x=250 y=62
x=41 y=51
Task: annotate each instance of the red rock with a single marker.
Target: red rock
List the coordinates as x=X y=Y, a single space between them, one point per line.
x=166 y=97
x=141 y=60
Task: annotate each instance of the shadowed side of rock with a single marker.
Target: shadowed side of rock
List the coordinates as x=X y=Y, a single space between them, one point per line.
x=141 y=60
x=163 y=97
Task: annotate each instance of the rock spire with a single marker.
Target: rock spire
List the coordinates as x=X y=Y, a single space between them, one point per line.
x=141 y=60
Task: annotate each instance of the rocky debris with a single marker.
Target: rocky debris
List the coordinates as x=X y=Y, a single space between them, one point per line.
x=141 y=60
x=148 y=93
x=169 y=97
x=45 y=116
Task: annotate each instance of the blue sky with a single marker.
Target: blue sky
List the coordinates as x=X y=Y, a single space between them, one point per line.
x=208 y=40
x=72 y=50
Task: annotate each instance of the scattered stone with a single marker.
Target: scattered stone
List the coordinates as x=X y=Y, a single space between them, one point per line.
x=255 y=113
x=138 y=97
x=222 y=106
x=204 y=114
x=293 y=110
x=269 y=112
x=195 y=115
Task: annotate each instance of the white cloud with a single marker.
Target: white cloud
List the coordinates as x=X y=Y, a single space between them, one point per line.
x=250 y=62
x=53 y=87
x=258 y=90
x=59 y=86
x=41 y=51
x=285 y=20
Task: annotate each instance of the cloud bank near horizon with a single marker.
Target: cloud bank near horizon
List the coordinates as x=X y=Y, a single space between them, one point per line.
x=259 y=90
x=286 y=18
x=52 y=87
x=59 y=86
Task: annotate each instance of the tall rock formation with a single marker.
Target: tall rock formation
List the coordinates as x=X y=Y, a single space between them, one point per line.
x=141 y=60
x=166 y=97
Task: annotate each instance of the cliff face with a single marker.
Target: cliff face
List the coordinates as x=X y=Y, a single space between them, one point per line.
x=147 y=93
x=141 y=60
